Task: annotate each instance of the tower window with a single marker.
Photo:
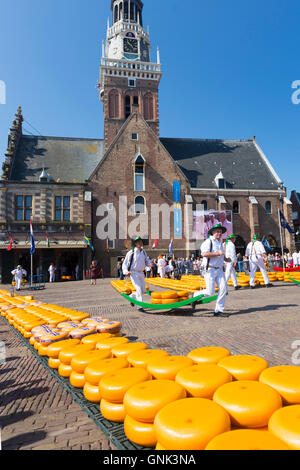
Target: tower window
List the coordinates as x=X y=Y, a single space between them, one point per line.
x=268 y=207
x=136 y=100
x=134 y=136
x=131 y=82
x=116 y=14
x=148 y=107
x=127 y=106
x=62 y=209
x=139 y=205
x=139 y=174
x=23 y=208
x=236 y=207
x=221 y=183
x=114 y=104
x=126 y=10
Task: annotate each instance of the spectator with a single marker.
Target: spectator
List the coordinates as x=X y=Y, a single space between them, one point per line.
x=52 y=270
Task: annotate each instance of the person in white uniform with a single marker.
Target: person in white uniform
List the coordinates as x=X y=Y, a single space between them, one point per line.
x=52 y=270
x=295 y=259
x=257 y=255
x=214 y=255
x=161 y=267
x=19 y=274
x=298 y=258
x=134 y=266
x=230 y=252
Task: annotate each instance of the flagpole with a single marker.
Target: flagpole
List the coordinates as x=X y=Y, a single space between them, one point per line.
x=281 y=240
x=31 y=268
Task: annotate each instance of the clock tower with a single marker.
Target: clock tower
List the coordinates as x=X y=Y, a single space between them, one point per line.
x=129 y=81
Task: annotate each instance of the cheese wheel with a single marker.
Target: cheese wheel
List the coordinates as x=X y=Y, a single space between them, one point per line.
x=53 y=363
x=109 y=343
x=97 y=369
x=49 y=338
x=92 y=320
x=169 y=301
x=112 y=411
x=68 y=325
x=93 y=339
x=82 y=360
x=55 y=348
x=202 y=380
x=250 y=404
x=169 y=295
x=208 y=355
x=91 y=392
x=66 y=355
x=83 y=331
x=141 y=358
x=167 y=367
x=43 y=350
x=109 y=327
x=189 y=424
x=140 y=433
x=284 y=379
x=143 y=401
x=159 y=447
x=156 y=301
x=246 y=439
x=64 y=370
x=244 y=367
x=114 y=385
x=285 y=424
x=31 y=341
x=123 y=350
x=156 y=295
x=77 y=380
x=183 y=293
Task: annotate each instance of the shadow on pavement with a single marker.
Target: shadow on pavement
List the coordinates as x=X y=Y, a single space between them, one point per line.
x=266 y=308
x=22 y=393
x=24 y=439
x=14 y=418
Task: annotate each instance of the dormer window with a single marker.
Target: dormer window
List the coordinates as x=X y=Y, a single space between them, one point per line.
x=220 y=180
x=44 y=177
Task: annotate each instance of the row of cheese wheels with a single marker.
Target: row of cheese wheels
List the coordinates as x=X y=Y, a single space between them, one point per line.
x=169 y=297
x=123 y=286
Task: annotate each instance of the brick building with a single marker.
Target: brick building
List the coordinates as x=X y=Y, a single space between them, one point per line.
x=295 y=199
x=116 y=187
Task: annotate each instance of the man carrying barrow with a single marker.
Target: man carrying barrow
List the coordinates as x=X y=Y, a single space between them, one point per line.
x=134 y=266
x=213 y=253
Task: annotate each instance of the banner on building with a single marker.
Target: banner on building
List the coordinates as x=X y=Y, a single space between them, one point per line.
x=177 y=209
x=203 y=221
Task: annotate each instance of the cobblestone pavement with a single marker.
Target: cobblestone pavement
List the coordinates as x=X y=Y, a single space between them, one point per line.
x=37 y=413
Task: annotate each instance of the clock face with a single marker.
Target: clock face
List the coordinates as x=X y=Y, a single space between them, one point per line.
x=131 y=45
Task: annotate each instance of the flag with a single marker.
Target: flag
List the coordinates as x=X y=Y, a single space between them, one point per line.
x=32 y=249
x=284 y=223
x=11 y=243
x=47 y=240
x=88 y=242
x=155 y=244
x=126 y=245
x=266 y=244
x=171 y=248
x=107 y=245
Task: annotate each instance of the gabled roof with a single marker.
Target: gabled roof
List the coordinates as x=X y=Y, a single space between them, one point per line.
x=242 y=163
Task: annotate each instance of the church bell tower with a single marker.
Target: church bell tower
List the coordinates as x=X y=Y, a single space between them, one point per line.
x=129 y=81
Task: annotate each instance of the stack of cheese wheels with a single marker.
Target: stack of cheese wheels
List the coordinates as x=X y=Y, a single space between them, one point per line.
x=169 y=297
x=190 y=423
x=142 y=403
x=141 y=358
x=202 y=380
x=123 y=350
x=68 y=326
x=109 y=343
x=48 y=338
x=54 y=349
x=112 y=327
x=167 y=367
x=284 y=379
x=208 y=355
x=95 y=338
x=246 y=439
x=82 y=331
x=112 y=389
x=66 y=355
x=250 y=404
x=95 y=371
x=80 y=362
x=243 y=367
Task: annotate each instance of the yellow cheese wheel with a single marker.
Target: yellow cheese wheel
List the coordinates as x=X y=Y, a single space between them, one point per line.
x=53 y=337
x=68 y=325
x=27 y=335
x=55 y=348
x=140 y=433
x=92 y=320
x=64 y=370
x=31 y=341
x=91 y=392
x=82 y=331
x=167 y=367
x=97 y=369
x=123 y=350
x=66 y=355
x=53 y=363
x=43 y=350
x=156 y=295
x=182 y=294
x=284 y=379
x=169 y=301
x=246 y=439
x=95 y=338
x=208 y=355
x=189 y=424
x=143 y=401
x=112 y=411
x=113 y=386
x=169 y=295
x=202 y=380
x=285 y=424
x=141 y=358
x=250 y=404
x=82 y=360
x=156 y=301
x=159 y=447
x=77 y=380
x=243 y=367
x=109 y=343
x=109 y=327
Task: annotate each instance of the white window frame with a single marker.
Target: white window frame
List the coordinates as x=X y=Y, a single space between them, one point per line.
x=144 y=174
x=145 y=207
x=137 y=136
x=133 y=80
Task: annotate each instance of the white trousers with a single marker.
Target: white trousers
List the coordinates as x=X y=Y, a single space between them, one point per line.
x=161 y=272
x=52 y=277
x=18 y=283
x=213 y=277
x=258 y=264
x=138 y=280
x=230 y=273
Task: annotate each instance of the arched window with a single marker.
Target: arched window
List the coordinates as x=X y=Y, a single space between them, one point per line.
x=268 y=207
x=139 y=204
x=113 y=104
x=127 y=106
x=148 y=107
x=120 y=11
x=139 y=174
x=116 y=14
x=204 y=204
x=131 y=11
x=126 y=10
x=236 y=207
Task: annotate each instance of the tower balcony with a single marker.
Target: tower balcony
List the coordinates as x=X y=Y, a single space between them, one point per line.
x=126 y=68
x=126 y=25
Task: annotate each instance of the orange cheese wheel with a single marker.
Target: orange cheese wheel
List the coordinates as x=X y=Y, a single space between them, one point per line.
x=156 y=295
x=284 y=379
x=27 y=335
x=169 y=301
x=159 y=447
x=167 y=367
x=53 y=337
x=55 y=348
x=169 y=295
x=64 y=370
x=97 y=369
x=243 y=367
x=182 y=294
x=91 y=393
x=68 y=325
x=40 y=330
x=113 y=386
x=156 y=301
x=202 y=380
x=77 y=380
x=250 y=404
x=92 y=320
x=285 y=424
x=53 y=363
x=189 y=424
x=31 y=341
x=140 y=433
x=123 y=350
x=109 y=343
x=112 y=411
x=82 y=360
x=66 y=355
x=208 y=355
x=43 y=350
x=143 y=401
x=246 y=439
x=141 y=358
x=109 y=327
x=95 y=338
x=82 y=331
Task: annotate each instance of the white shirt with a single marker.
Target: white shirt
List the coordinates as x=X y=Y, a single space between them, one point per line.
x=52 y=269
x=139 y=262
x=230 y=251
x=19 y=273
x=211 y=245
x=255 y=250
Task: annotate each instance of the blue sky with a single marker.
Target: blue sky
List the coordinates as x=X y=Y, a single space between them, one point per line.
x=228 y=70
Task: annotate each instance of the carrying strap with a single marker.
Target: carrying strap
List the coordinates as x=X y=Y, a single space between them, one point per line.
x=208 y=260
x=131 y=259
